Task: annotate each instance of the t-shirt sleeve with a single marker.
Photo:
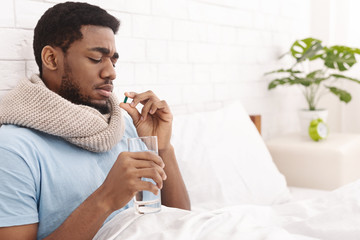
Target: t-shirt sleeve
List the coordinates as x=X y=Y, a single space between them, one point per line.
x=18 y=200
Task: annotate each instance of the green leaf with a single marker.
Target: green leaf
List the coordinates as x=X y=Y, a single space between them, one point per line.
x=284 y=70
x=356 y=50
x=307 y=48
x=339 y=57
x=342 y=94
x=304 y=81
x=316 y=77
x=345 y=77
x=313 y=74
x=280 y=81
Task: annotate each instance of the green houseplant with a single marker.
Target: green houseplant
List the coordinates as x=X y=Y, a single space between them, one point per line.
x=332 y=61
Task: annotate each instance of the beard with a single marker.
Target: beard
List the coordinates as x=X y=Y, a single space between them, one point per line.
x=70 y=90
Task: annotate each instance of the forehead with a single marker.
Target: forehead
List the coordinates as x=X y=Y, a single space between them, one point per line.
x=96 y=36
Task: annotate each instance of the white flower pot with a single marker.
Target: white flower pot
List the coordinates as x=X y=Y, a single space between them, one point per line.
x=306 y=116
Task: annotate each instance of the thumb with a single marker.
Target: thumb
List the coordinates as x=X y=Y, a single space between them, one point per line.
x=132 y=111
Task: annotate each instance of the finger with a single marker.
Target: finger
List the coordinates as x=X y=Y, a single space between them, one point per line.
x=151 y=173
x=131 y=95
x=148 y=186
x=160 y=105
x=145 y=110
x=140 y=164
x=142 y=97
x=133 y=112
x=149 y=156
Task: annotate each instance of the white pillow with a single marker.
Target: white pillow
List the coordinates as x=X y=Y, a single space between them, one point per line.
x=224 y=160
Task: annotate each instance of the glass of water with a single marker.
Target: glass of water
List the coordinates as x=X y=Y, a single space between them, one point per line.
x=145 y=201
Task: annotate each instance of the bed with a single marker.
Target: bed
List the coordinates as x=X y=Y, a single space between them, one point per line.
x=237 y=192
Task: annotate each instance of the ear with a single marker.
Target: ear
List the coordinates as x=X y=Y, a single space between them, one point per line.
x=50 y=58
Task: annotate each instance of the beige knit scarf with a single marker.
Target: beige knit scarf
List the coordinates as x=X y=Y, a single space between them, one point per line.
x=31 y=104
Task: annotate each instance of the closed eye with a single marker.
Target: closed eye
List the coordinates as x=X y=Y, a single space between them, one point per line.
x=95 y=60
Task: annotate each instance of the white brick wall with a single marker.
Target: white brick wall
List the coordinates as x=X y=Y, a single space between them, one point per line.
x=196 y=54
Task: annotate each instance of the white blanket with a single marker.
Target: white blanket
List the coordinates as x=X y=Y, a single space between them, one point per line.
x=333 y=216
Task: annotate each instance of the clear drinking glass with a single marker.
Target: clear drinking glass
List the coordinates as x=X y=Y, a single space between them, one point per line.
x=145 y=201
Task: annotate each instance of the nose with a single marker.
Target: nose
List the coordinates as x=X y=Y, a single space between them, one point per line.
x=108 y=72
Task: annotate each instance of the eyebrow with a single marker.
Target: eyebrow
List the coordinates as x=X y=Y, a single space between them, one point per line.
x=104 y=51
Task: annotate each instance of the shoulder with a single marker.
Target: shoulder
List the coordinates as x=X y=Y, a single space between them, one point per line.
x=12 y=135
x=27 y=143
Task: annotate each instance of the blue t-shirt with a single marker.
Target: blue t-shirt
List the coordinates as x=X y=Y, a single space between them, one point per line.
x=44 y=178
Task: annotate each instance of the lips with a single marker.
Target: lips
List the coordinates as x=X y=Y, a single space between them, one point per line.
x=105 y=90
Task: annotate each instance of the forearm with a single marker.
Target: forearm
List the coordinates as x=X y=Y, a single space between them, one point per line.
x=174 y=193
x=85 y=221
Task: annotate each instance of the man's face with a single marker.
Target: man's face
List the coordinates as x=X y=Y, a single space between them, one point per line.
x=88 y=68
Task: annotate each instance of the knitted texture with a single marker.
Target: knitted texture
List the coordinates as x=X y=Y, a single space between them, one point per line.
x=31 y=104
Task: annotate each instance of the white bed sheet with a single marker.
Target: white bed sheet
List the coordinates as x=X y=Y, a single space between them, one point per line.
x=332 y=216
x=299 y=193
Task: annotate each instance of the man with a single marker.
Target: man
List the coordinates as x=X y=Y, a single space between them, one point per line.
x=64 y=168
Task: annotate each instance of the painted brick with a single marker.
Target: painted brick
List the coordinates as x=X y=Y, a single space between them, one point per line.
x=251 y=37
x=175 y=73
x=114 y=5
x=222 y=34
x=11 y=73
x=288 y=7
x=125 y=29
x=248 y=5
x=17 y=44
x=146 y=73
x=226 y=73
x=230 y=54
x=192 y=53
x=7 y=18
x=259 y=21
x=172 y=94
x=202 y=73
x=173 y=9
x=220 y=15
x=125 y=74
x=29 y=12
x=119 y=90
x=138 y=6
x=131 y=49
x=224 y=92
x=199 y=93
x=266 y=54
x=152 y=27
x=203 y=53
x=190 y=31
x=177 y=52
x=282 y=42
x=249 y=55
x=250 y=72
x=94 y=2
x=270 y=7
x=156 y=50
x=31 y=68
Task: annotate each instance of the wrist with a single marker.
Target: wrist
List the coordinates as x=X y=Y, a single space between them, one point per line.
x=166 y=150
x=103 y=200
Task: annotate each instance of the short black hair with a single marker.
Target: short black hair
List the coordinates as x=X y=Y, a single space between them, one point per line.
x=60 y=25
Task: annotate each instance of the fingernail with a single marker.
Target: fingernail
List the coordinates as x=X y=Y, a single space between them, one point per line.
x=132 y=104
x=142 y=118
